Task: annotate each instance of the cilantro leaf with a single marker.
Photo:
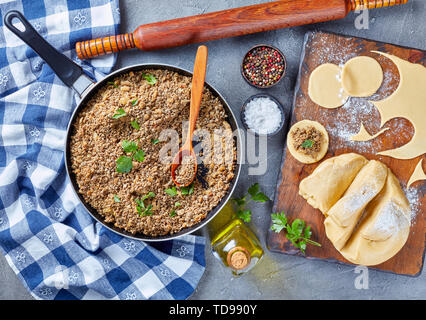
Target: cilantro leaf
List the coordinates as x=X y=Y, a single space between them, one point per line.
x=173 y=213
x=177 y=204
x=129 y=146
x=171 y=191
x=155 y=141
x=308 y=143
x=124 y=164
x=149 y=78
x=135 y=124
x=134 y=102
x=119 y=113
x=116 y=198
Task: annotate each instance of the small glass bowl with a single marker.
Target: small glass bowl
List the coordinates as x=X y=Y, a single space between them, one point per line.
x=262 y=95
x=271 y=85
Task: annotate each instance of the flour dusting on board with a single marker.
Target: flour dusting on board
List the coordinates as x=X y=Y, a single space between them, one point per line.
x=413 y=197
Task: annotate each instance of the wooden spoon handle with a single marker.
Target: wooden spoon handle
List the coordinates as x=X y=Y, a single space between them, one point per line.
x=198 y=78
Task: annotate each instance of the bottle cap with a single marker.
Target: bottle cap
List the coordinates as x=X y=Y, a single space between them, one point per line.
x=238 y=258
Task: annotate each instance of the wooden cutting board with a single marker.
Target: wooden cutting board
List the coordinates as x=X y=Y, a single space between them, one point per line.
x=341 y=123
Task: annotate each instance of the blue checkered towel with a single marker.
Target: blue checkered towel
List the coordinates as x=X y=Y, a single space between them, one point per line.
x=50 y=241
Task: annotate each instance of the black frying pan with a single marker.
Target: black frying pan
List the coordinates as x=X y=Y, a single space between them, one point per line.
x=74 y=77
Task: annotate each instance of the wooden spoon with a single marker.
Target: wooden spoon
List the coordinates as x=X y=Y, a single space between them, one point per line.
x=187 y=150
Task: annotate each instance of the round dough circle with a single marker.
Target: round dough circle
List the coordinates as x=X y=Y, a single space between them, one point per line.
x=302 y=157
x=325 y=87
x=362 y=76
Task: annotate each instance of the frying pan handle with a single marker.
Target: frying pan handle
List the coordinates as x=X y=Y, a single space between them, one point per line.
x=68 y=71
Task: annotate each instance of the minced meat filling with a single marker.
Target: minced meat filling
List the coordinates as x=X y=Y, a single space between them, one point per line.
x=186 y=171
x=137 y=201
x=307 y=140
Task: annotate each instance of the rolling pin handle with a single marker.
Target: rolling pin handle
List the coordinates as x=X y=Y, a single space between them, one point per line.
x=373 y=4
x=98 y=47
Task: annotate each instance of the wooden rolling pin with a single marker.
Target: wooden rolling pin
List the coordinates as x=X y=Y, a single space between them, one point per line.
x=227 y=23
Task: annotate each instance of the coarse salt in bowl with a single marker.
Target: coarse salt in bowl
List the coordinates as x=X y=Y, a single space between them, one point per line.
x=263 y=115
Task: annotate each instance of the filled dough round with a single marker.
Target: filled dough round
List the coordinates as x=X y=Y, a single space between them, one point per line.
x=316 y=150
x=362 y=76
x=325 y=87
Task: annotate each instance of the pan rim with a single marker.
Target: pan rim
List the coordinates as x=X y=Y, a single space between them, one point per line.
x=93 y=213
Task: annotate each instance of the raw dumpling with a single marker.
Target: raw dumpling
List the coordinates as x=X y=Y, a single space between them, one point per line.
x=345 y=214
x=385 y=228
x=329 y=181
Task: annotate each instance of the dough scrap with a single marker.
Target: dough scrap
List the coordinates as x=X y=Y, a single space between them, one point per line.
x=408 y=102
x=362 y=76
x=325 y=87
x=363 y=135
x=329 y=181
x=345 y=214
x=303 y=157
x=384 y=230
x=418 y=174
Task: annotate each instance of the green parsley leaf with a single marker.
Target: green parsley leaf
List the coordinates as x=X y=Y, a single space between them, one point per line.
x=134 y=102
x=155 y=141
x=124 y=164
x=279 y=222
x=244 y=215
x=260 y=197
x=148 y=211
x=139 y=156
x=135 y=124
x=116 y=198
x=297 y=234
x=173 y=213
x=142 y=210
x=112 y=83
x=129 y=146
x=239 y=202
x=187 y=190
x=254 y=189
x=255 y=195
x=308 y=143
x=149 y=195
x=171 y=191
x=119 y=113
x=149 y=78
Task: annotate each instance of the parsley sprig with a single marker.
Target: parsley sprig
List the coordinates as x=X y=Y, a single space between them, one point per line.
x=141 y=208
x=255 y=195
x=298 y=233
x=124 y=164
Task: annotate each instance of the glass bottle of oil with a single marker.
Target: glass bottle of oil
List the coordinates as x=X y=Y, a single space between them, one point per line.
x=233 y=243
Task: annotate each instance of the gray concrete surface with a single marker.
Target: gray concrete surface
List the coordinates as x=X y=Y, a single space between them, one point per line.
x=278 y=276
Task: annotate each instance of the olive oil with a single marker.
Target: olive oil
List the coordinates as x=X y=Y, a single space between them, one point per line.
x=233 y=243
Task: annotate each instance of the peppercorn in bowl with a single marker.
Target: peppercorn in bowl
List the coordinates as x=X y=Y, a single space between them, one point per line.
x=115 y=160
x=263 y=66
